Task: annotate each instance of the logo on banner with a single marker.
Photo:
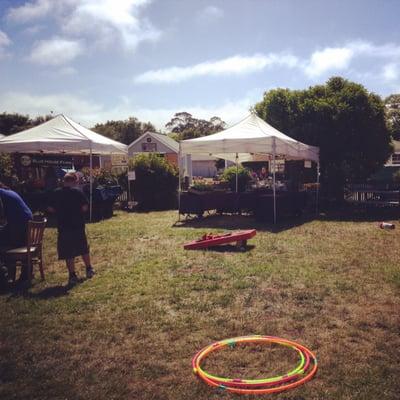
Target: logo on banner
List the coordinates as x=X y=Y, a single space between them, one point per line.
x=26 y=161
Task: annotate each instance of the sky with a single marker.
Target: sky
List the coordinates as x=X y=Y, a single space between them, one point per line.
x=96 y=60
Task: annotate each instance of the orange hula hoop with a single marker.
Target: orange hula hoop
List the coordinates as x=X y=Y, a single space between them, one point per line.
x=271 y=385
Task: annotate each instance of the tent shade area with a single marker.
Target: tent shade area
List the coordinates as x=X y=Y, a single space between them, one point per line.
x=251 y=139
x=60 y=136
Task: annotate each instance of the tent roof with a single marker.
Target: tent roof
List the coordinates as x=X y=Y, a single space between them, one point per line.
x=251 y=138
x=60 y=134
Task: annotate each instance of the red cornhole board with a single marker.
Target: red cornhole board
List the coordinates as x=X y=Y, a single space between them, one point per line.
x=240 y=237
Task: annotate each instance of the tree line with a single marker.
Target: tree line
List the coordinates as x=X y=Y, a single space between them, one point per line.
x=182 y=126
x=352 y=127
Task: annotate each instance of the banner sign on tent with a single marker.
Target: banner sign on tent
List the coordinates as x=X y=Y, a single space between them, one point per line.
x=39 y=160
x=119 y=160
x=131 y=175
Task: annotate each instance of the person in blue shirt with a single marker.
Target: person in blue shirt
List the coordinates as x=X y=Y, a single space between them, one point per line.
x=14 y=217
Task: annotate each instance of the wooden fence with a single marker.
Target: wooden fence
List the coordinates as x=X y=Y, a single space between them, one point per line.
x=367 y=194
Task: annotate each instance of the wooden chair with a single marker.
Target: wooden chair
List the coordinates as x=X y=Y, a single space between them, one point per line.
x=32 y=252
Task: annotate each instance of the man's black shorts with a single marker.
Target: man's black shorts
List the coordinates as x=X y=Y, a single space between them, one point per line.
x=72 y=243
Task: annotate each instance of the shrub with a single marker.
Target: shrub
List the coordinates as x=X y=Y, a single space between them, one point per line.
x=156 y=182
x=202 y=187
x=396 y=176
x=7 y=173
x=229 y=176
x=101 y=176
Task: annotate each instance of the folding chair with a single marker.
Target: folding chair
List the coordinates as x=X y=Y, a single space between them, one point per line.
x=32 y=253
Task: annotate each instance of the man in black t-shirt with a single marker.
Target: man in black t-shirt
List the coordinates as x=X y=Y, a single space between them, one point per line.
x=70 y=205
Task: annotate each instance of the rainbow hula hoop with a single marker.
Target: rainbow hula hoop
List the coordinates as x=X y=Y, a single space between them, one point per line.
x=302 y=373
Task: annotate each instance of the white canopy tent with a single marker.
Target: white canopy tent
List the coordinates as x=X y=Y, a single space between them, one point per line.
x=62 y=135
x=252 y=139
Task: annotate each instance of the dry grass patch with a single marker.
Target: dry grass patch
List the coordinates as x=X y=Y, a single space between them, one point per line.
x=130 y=333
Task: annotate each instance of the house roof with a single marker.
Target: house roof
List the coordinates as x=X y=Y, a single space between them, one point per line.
x=171 y=144
x=164 y=139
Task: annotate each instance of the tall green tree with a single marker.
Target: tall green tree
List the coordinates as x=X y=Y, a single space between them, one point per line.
x=184 y=126
x=125 y=131
x=11 y=123
x=342 y=118
x=392 y=106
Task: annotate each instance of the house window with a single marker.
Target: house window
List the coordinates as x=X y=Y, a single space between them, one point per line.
x=396 y=158
x=149 y=147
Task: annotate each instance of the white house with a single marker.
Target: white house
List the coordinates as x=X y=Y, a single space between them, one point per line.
x=151 y=142
x=394 y=159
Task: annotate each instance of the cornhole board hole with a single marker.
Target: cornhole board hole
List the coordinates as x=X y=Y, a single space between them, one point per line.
x=210 y=240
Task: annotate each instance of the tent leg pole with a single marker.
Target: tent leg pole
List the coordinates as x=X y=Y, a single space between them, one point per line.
x=179 y=182
x=273 y=175
x=317 y=193
x=237 y=171
x=91 y=184
x=129 y=187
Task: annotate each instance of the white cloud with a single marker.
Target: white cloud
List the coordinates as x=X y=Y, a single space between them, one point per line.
x=89 y=112
x=67 y=71
x=320 y=63
x=229 y=111
x=4 y=39
x=332 y=59
x=210 y=13
x=236 y=65
x=391 y=72
x=4 y=43
x=27 y=103
x=102 y=21
x=30 y=10
x=55 y=52
x=32 y=30
x=105 y=20
x=328 y=59
x=388 y=50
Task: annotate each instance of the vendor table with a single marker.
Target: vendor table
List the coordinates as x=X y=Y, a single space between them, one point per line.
x=260 y=203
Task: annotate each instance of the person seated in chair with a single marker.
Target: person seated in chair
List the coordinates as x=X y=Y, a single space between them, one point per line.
x=14 y=217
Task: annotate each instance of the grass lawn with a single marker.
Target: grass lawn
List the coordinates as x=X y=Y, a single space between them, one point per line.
x=131 y=331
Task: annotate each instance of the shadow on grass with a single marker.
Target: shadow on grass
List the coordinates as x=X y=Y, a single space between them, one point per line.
x=361 y=214
x=239 y=222
x=52 y=292
x=23 y=290
x=228 y=248
x=346 y=213
x=45 y=294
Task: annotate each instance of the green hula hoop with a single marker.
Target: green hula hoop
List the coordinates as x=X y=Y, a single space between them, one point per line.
x=229 y=342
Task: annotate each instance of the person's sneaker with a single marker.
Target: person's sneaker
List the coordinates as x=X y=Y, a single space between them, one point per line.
x=73 y=280
x=90 y=272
